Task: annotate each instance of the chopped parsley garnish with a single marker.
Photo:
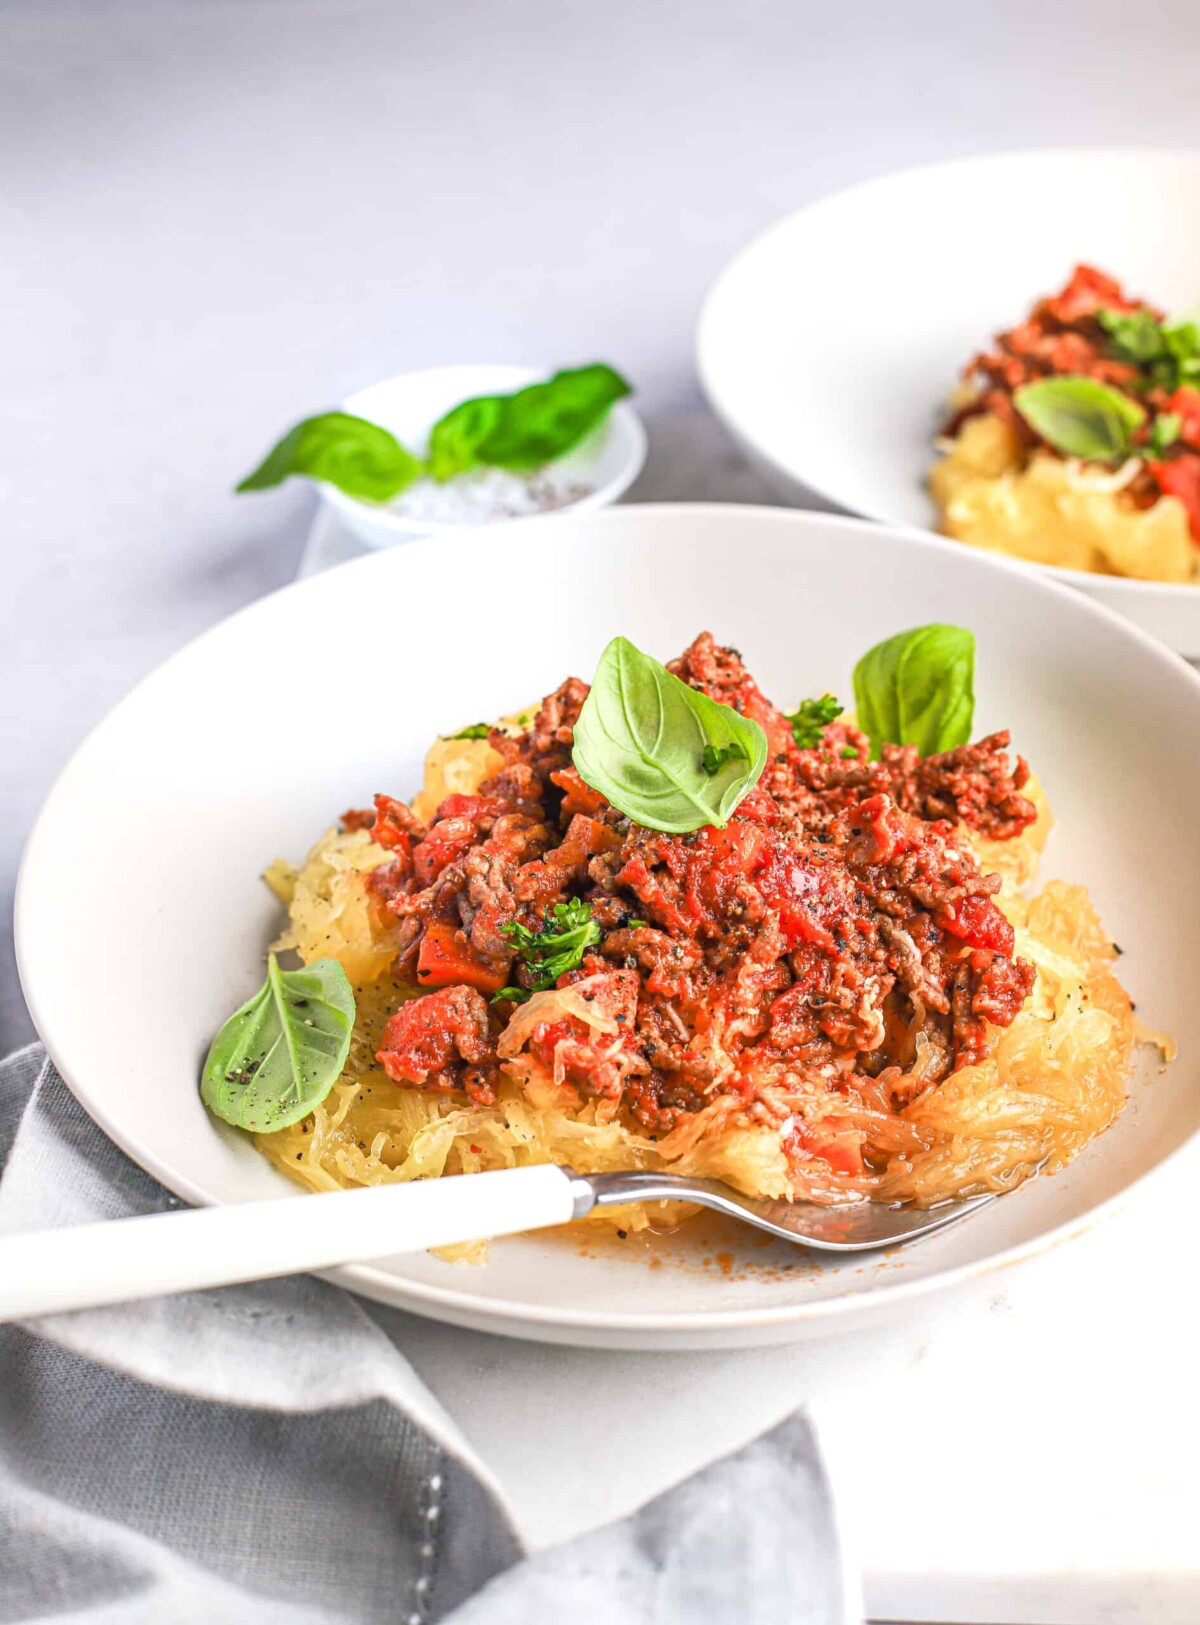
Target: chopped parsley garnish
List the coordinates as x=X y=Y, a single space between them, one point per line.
x=848 y=753
x=811 y=720
x=1167 y=352
x=558 y=946
x=1134 y=335
x=477 y=730
x=714 y=757
x=1165 y=431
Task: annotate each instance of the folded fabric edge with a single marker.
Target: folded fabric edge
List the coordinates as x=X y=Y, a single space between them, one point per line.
x=102 y=1336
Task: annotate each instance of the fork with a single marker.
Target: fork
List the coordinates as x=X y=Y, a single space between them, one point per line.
x=118 y=1260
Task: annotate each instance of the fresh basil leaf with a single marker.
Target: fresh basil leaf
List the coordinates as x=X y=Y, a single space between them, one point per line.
x=1181 y=336
x=640 y=740
x=454 y=440
x=811 y=719
x=358 y=457
x=1164 y=432
x=918 y=688
x=714 y=757
x=539 y=424
x=1081 y=417
x=1136 y=335
x=281 y=1053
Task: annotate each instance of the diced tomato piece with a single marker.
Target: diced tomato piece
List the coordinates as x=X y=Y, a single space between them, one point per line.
x=841 y=1150
x=881 y=832
x=720 y=860
x=476 y=808
x=978 y=922
x=548 y=1035
x=446 y=959
x=1087 y=291
x=1181 y=478
x=457 y=827
x=578 y=797
x=447 y=840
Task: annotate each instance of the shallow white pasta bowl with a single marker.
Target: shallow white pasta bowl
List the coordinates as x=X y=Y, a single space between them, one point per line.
x=829 y=345
x=141 y=921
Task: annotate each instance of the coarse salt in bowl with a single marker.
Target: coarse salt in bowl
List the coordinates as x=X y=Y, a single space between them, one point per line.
x=596 y=473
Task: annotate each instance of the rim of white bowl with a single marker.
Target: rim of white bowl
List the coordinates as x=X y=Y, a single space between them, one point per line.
x=622 y=415
x=1132 y=584
x=464 y=1308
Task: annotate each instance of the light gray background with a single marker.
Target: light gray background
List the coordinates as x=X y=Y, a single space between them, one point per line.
x=217 y=214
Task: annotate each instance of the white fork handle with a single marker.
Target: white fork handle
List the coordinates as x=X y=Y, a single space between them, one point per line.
x=83 y=1266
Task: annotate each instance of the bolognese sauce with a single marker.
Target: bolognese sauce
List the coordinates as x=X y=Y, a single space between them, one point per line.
x=836 y=927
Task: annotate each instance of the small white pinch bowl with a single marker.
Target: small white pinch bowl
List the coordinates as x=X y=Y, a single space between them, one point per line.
x=607 y=462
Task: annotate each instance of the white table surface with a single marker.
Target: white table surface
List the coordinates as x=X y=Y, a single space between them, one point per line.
x=217 y=214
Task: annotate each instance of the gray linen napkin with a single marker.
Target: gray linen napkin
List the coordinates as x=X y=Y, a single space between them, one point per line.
x=750 y=1538
x=266 y=1453
x=258 y=1452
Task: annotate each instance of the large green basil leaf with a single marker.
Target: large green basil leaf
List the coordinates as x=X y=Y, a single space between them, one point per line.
x=642 y=737
x=918 y=688
x=281 y=1053
x=358 y=457
x=455 y=439
x=539 y=424
x=1081 y=417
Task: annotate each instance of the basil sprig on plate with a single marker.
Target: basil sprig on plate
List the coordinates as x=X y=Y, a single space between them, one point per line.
x=1081 y=417
x=663 y=753
x=918 y=688
x=520 y=432
x=281 y=1053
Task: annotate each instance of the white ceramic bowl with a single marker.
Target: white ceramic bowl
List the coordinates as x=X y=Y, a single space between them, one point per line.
x=828 y=346
x=141 y=920
x=607 y=462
